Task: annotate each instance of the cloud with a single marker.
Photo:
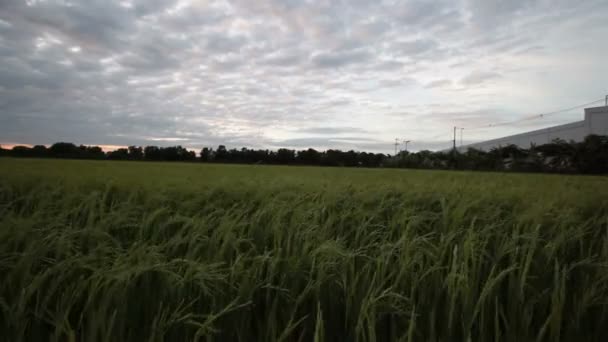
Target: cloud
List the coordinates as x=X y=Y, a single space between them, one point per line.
x=416 y=47
x=350 y=143
x=331 y=130
x=478 y=77
x=439 y=83
x=489 y=13
x=283 y=59
x=415 y=13
x=259 y=74
x=340 y=58
x=222 y=43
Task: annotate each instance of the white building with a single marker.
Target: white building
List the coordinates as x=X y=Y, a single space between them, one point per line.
x=595 y=122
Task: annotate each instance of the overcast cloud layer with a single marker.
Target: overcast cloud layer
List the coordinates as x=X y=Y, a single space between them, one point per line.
x=294 y=73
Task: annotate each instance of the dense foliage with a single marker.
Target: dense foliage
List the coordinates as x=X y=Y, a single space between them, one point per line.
x=112 y=251
x=588 y=156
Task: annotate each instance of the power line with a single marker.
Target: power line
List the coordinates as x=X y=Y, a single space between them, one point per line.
x=537 y=116
x=532 y=117
x=438 y=136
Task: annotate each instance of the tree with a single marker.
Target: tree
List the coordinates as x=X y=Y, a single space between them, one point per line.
x=95 y=152
x=64 y=150
x=475 y=159
x=152 y=153
x=119 y=154
x=558 y=155
x=286 y=156
x=591 y=155
x=350 y=158
x=136 y=153
x=309 y=157
x=221 y=154
x=21 y=151
x=185 y=155
x=332 y=158
x=206 y=154
x=39 y=151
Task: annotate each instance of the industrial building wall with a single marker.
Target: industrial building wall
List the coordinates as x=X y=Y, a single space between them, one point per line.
x=596 y=122
x=597 y=119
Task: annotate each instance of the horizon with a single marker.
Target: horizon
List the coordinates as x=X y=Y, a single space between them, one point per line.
x=110 y=148
x=296 y=74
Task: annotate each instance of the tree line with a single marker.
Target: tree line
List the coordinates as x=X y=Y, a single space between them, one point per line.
x=588 y=157
x=244 y=155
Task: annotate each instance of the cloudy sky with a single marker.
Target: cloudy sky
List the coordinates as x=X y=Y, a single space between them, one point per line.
x=294 y=73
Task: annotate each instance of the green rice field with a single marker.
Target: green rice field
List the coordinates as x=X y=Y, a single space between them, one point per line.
x=142 y=251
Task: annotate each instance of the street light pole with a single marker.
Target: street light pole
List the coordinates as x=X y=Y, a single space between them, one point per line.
x=461 y=129
x=396 y=144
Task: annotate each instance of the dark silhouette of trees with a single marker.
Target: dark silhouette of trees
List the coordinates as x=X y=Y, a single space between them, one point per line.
x=332 y=158
x=285 y=156
x=39 y=151
x=119 y=154
x=221 y=154
x=589 y=156
x=58 y=150
x=69 y=150
x=64 y=150
x=136 y=153
x=152 y=153
x=309 y=157
x=206 y=154
x=559 y=156
x=21 y=151
x=155 y=153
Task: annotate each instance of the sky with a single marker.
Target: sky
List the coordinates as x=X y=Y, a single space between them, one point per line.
x=295 y=73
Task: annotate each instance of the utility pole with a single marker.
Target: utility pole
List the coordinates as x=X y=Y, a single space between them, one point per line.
x=454 y=141
x=396 y=144
x=406 y=142
x=461 y=129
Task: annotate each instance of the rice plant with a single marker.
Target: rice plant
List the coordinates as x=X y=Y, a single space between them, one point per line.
x=110 y=251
